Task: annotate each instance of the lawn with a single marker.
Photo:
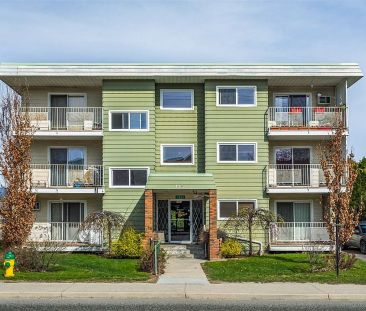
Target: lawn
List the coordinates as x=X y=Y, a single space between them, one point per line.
x=87 y=267
x=279 y=268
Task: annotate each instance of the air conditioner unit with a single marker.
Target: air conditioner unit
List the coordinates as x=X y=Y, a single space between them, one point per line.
x=324 y=100
x=37 y=206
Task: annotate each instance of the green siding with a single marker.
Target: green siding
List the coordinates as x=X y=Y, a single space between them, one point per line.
x=128 y=149
x=237 y=124
x=181 y=127
x=181 y=181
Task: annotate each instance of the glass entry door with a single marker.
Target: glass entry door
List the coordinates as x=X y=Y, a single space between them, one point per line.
x=180 y=215
x=65 y=220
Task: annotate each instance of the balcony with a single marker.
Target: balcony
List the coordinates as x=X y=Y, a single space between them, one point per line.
x=66 y=122
x=309 y=122
x=67 y=235
x=64 y=178
x=295 y=178
x=299 y=236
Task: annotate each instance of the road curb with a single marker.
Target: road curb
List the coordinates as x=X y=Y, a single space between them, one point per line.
x=181 y=295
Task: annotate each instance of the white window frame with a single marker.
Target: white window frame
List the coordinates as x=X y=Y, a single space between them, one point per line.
x=237 y=150
x=129 y=175
x=255 y=201
x=85 y=202
x=176 y=90
x=129 y=120
x=236 y=87
x=175 y=145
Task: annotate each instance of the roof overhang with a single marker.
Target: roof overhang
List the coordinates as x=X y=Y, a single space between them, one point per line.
x=92 y=75
x=180 y=181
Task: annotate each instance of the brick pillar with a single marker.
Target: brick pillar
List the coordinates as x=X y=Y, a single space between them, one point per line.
x=149 y=208
x=213 y=244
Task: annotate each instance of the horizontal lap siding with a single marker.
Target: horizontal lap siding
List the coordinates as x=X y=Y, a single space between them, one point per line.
x=128 y=149
x=181 y=127
x=236 y=124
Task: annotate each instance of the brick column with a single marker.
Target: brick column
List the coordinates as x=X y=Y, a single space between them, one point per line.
x=149 y=208
x=213 y=244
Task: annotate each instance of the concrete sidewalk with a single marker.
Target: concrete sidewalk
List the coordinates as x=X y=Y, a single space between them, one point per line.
x=183 y=271
x=232 y=291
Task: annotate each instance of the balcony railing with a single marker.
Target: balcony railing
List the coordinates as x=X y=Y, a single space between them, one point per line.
x=296 y=175
x=306 y=117
x=65 y=119
x=64 y=176
x=298 y=232
x=64 y=231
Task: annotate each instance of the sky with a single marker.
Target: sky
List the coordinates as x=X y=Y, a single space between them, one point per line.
x=187 y=31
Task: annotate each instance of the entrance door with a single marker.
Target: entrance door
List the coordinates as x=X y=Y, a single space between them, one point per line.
x=180 y=215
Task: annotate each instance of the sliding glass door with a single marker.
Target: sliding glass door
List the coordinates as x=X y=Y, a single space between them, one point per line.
x=292 y=166
x=292 y=109
x=65 y=220
x=66 y=165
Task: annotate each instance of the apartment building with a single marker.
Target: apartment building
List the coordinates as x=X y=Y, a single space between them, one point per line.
x=178 y=148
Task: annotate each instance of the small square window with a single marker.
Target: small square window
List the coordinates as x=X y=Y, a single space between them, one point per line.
x=120 y=177
x=138 y=177
x=246 y=153
x=227 y=152
x=227 y=209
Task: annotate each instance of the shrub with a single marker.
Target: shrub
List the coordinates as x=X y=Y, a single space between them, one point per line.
x=146 y=263
x=231 y=248
x=129 y=244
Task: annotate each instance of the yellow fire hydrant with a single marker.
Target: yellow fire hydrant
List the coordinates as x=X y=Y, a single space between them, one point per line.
x=9 y=263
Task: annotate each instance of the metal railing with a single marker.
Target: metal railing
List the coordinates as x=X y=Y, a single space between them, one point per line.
x=298 y=232
x=65 y=119
x=306 y=117
x=65 y=231
x=295 y=175
x=66 y=175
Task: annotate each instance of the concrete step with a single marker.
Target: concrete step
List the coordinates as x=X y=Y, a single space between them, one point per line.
x=184 y=250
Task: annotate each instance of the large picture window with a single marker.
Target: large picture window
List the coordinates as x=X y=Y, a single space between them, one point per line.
x=128 y=177
x=177 y=99
x=236 y=152
x=129 y=121
x=240 y=96
x=177 y=155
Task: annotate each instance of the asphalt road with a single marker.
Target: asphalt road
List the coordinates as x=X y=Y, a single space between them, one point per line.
x=176 y=305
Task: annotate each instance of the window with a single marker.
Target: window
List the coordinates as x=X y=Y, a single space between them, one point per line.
x=236 y=152
x=67 y=100
x=230 y=208
x=128 y=177
x=177 y=99
x=177 y=155
x=129 y=120
x=242 y=96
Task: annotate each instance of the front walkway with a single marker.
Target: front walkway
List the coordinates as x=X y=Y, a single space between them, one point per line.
x=183 y=271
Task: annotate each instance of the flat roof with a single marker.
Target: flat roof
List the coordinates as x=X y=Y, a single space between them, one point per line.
x=92 y=74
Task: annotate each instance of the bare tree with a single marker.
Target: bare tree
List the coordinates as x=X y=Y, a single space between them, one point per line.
x=104 y=221
x=16 y=136
x=340 y=172
x=247 y=219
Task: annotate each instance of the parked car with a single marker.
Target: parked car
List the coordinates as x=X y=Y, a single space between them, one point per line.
x=358 y=238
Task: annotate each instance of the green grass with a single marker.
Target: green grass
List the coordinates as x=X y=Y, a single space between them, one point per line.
x=87 y=267
x=279 y=268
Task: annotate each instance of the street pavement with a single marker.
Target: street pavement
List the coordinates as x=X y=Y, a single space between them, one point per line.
x=176 y=305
